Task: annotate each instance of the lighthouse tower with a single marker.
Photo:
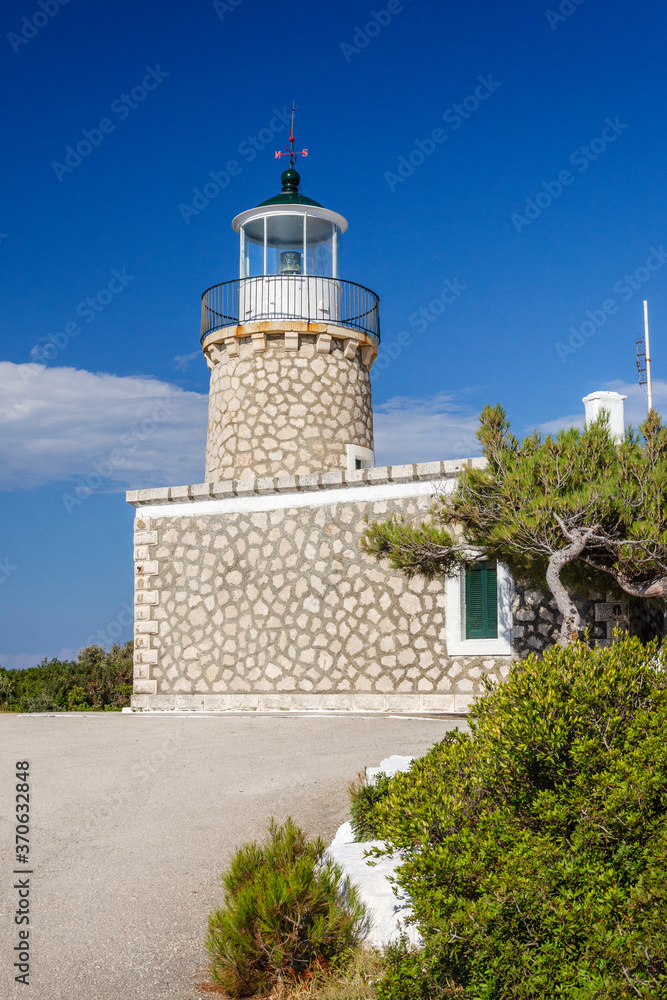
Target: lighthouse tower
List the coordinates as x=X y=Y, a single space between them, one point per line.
x=290 y=346
x=253 y=589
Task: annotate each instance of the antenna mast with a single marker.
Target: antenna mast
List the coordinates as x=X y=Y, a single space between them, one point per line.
x=649 y=387
x=644 y=360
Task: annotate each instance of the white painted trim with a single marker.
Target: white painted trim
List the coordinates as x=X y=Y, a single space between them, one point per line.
x=284 y=501
x=457 y=644
x=349 y=702
x=366 y=455
x=267 y=210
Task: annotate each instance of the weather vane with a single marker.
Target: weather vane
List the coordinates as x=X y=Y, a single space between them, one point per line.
x=291 y=151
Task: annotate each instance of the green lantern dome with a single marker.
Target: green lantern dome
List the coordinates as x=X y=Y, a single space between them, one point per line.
x=290 y=193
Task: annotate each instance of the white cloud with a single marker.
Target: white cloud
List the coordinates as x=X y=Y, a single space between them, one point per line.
x=635 y=406
x=20 y=661
x=424 y=430
x=560 y=423
x=64 y=424
x=444 y=426
x=182 y=361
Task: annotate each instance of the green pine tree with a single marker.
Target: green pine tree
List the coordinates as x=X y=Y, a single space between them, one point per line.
x=569 y=511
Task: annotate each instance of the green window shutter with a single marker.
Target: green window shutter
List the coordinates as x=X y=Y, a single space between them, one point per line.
x=491 y=601
x=474 y=603
x=481 y=601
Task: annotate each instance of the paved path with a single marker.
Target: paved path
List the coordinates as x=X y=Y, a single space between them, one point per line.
x=133 y=819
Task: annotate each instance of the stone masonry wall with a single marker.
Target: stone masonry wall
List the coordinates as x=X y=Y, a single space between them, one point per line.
x=537 y=621
x=281 y=609
x=240 y=607
x=286 y=404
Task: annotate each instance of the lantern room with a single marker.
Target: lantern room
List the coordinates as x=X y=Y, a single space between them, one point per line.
x=290 y=258
x=290 y=268
x=289 y=234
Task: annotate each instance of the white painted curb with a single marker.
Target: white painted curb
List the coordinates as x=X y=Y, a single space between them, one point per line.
x=387 y=905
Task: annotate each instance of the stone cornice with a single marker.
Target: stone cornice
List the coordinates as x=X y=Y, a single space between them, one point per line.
x=336 y=479
x=227 y=339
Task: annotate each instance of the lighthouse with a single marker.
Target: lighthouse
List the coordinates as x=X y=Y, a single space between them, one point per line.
x=290 y=345
x=253 y=589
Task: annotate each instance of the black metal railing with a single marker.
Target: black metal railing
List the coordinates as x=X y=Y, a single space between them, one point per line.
x=290 y=296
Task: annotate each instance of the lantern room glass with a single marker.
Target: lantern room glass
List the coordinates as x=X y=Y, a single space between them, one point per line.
x=289 y=244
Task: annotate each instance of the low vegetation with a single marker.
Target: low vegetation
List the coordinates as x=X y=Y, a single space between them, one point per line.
x=98 y=680
x=535 y=848
x=364 y=799
x=288 y=917
x=357 y=979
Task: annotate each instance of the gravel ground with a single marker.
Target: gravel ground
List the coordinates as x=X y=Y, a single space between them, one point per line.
x=133 y=817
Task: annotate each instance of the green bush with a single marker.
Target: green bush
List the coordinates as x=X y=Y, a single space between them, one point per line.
x=76 y=700
x=364 y=800
x=287 y=911
x=98 y=680
x=6 y=690
x=41 y=702
x=535 y=848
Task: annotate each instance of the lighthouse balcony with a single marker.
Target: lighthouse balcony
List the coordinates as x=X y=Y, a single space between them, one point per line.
x=308 y=298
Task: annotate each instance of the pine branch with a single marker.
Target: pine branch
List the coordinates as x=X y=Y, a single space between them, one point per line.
x=544 y=504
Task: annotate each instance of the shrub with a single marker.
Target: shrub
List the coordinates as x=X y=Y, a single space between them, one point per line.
x=287 y=912
x=41 y=702
x=76 y=700
x=104 y=677
x=6 y=689
x=364 y=800
x=535 y=848
x=356 y=980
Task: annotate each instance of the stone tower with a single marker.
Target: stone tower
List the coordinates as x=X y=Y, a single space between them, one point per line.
x=290 y=346
x=252 y=589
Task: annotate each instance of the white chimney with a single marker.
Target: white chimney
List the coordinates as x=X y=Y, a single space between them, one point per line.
x=613 y=403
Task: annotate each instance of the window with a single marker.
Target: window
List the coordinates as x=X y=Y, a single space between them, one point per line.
x=481 y=597
x=359 y=458
x=311 y=243
x=478 y=610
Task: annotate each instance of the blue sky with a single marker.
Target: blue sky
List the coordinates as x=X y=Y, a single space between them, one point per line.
x=507 y=156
